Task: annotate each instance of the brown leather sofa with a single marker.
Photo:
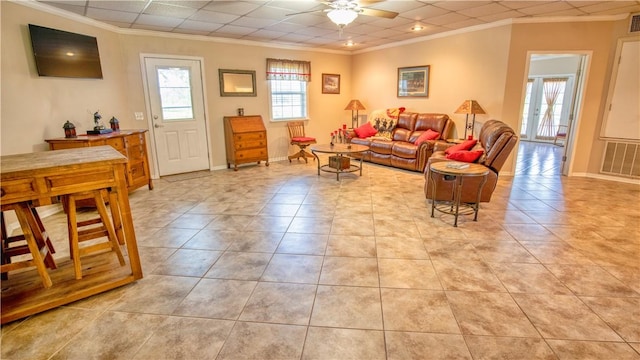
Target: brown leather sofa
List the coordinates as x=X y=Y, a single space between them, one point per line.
x=497 y=140
x=400 y=151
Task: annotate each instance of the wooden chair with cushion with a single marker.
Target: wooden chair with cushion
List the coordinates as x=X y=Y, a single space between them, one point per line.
x=299 y=138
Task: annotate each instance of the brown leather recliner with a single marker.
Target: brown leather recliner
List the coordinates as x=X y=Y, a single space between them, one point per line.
x=497 y=139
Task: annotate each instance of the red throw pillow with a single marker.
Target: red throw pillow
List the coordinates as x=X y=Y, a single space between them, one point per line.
x=427 y=135
x=365 y=131
x=465 y=145
x=465 y=155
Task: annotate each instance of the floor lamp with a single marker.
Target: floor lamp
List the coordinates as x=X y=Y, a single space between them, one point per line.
x=354 y=105
x=470 y=107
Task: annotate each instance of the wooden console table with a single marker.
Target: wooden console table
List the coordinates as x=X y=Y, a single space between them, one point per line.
x=39 y=177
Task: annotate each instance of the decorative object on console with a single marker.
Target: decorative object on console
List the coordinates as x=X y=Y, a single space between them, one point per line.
x=98 y=127
x=115 y=124
x=330 y=83
x=470 y=107
x=413 y=81
x=354 y=105
x=69 y=130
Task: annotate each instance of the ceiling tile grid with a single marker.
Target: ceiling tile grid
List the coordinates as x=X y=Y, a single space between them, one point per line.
x=304 y=22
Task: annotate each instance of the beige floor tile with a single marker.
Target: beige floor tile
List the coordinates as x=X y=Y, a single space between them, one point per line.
x=215 y=298
x=191 y=221
x=621 y=314
x=417 y=310
x=400 y=247
x=257 y=241
x=555 y=252
x=466 y=275
x=265 y=223
x=451 y=249
x=293 y=268
x=531 y=232
x=504 y=251
x=306 y=225
x=303 y=244
x=629 y=275
x=209 y=239
x=239 y=266
x=362 y=225
x=418 y=346
x=579 y=350
x=329 y=343
x=186 y=338
x=489 y=314
x=263 y=341
x=185 y=262
x=489 y=347
x=588 y=280
x=243 y=208
x=351 y=245
x=564 y=317
x=408 y=274
x=528 y=278
x=155 y=294
x=281 y=303
x=279 y=210
x=114 y=335
x=229 y=222
x=168 y=237
x=349 y=271
x=347 y=307
x=395 y=228
x=41 y=336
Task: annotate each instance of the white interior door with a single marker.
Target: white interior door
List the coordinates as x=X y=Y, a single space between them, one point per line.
x=176 y=102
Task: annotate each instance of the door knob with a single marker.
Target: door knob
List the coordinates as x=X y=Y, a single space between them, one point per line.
x=158 y=125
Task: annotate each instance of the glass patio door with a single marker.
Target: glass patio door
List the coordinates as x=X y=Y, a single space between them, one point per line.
x=546 y=106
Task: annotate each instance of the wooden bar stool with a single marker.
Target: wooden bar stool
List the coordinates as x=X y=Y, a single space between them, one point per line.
x=80 y=231
x=36 y=245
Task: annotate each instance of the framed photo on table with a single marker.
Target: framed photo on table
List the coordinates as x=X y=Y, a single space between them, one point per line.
x=330 y=83
x=413 y=81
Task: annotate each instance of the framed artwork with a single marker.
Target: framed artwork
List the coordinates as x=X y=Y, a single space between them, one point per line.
x=413 y=81
x=237 y=82
x=330 y=83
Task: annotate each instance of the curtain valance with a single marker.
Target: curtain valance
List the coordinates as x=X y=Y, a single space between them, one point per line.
x=281 y=69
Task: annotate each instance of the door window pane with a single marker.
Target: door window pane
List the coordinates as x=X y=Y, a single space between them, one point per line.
x=175 y=93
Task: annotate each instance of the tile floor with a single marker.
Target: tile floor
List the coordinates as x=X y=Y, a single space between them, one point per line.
x=280 y=263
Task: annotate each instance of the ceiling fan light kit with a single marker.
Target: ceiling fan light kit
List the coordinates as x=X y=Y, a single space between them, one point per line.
x=342 y=17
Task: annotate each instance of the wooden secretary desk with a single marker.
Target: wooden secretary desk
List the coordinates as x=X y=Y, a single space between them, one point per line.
x=130 y=143
x=246 y=140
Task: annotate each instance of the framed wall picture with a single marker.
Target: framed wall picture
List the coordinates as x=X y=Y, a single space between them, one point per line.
x=413 y=81
x=330 y=83
x=237 y=82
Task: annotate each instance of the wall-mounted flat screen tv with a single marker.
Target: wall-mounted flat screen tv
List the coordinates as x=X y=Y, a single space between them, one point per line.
x=65 y=54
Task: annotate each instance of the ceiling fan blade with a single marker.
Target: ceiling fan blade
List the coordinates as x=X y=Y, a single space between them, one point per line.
x=305 y=12
x=378 y=13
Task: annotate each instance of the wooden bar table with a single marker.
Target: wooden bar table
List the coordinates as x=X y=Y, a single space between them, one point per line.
x=39 y=177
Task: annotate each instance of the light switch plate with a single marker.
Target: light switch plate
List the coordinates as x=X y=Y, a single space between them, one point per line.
x=139 y=116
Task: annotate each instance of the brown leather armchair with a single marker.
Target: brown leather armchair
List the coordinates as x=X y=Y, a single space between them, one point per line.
x=497 y=139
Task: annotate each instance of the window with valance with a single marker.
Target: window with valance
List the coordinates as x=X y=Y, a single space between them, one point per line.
x=288 y=88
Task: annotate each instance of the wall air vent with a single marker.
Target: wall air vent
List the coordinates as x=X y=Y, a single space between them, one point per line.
x=621 y=159
x=634 y=23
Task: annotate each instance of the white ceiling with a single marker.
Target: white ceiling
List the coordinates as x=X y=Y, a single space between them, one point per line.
x=267 y=21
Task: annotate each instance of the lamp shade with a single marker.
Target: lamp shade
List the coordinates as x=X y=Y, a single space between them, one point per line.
x=470 y=107
x=355 y=105
x=342 y=17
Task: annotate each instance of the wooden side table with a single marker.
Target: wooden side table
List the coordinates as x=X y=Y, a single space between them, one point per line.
x=448 y=168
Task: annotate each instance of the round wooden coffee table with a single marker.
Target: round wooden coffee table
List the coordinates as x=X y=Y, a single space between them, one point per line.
x=340 y=162
x=462 y=171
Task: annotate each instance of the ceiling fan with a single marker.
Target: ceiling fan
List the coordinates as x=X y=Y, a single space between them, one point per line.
x=343 y=12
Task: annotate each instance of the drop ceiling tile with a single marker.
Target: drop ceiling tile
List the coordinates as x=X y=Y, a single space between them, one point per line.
x=118 y=24
x=606 y=5
x=306 y=19
x=286 y=27
x=501 y=16
x=460 y=5
x=151 y=27
x=628 y=10
x=267 y=34
x=316 y=31
x=199 y=26
x=297 y=6
x=76 y=9
x=397 y=6
x=544 y=9
x=70 y=2
x=194 y=4
x=237 y=30
x=135 y=6
x=232 y=7
x=269 y=12
x=463 y=24
x=361 y=29
x=216 y=17
x=160 y=21
x=479 y=11
x=295 y=37
x=253 y=22
x=160 y=9
x=425 y=12
x=386 y=23
x=111 y=15
x=522 y=4
x=446 y=19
